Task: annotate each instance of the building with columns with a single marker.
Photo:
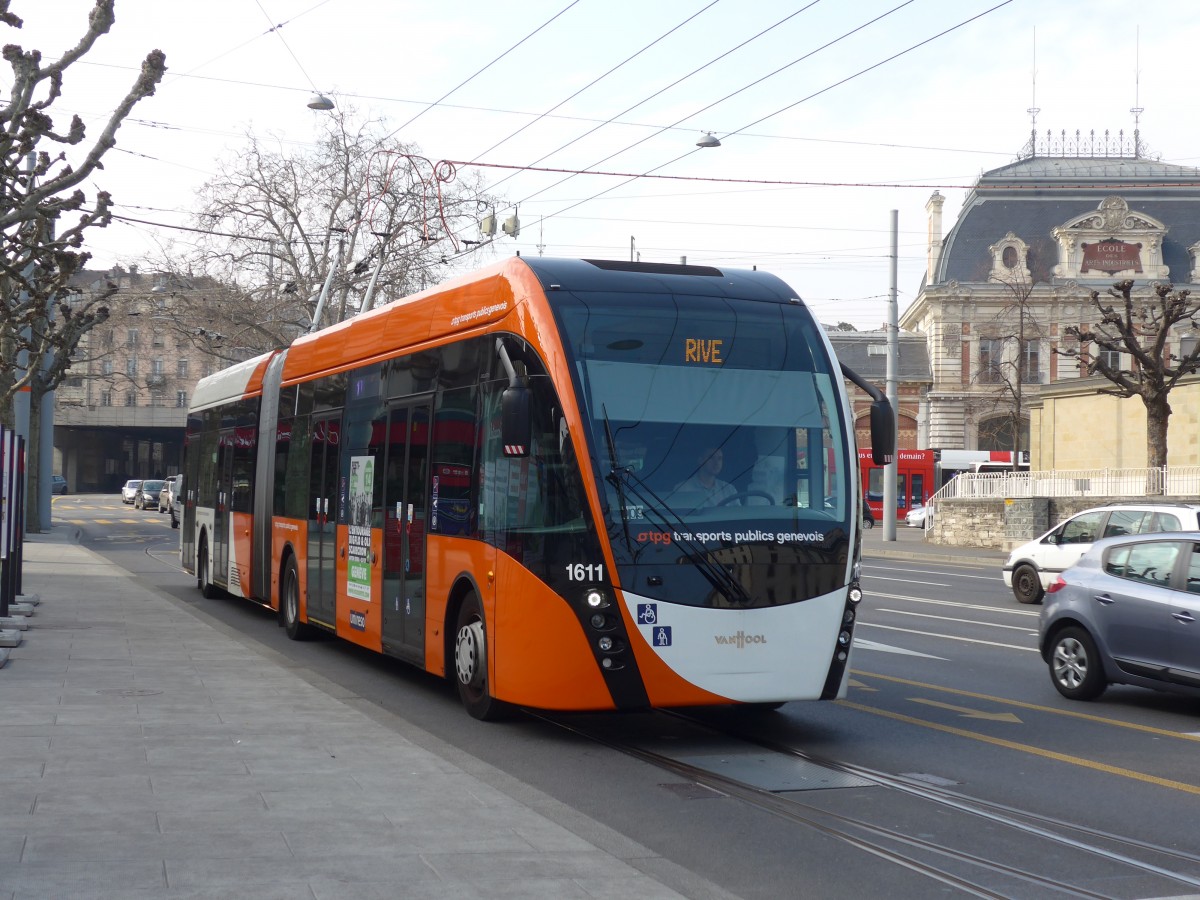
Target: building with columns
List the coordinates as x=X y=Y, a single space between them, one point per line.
x=1034 y=239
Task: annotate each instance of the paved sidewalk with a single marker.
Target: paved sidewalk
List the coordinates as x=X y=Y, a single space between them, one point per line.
x=148 y=752
x=910 y=543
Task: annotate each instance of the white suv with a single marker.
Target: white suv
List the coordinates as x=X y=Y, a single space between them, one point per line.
x=1032 y=567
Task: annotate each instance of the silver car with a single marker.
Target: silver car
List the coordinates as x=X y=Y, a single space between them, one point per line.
x=130 y=491
x=1127 y=613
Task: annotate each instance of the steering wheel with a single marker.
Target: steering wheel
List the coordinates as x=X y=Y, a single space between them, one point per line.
x=751 y=493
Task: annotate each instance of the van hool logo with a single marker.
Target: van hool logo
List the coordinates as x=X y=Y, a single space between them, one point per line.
x=358 y=620
x=741 y=639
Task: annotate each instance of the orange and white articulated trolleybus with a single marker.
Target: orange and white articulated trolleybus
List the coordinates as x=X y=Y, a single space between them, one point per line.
x=564 y=484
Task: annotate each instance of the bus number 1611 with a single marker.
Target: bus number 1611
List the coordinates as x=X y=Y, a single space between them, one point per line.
x=585 y=572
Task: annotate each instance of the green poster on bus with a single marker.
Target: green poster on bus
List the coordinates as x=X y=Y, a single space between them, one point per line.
x=358 y=557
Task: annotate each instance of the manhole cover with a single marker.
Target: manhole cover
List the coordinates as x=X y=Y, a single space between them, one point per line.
x=129 y=692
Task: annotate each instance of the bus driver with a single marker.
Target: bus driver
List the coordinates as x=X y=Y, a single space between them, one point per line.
x=704 y=488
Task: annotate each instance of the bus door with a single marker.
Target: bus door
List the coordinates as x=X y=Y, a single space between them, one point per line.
x=221 y=510
x=404 y=504
x=322 y=517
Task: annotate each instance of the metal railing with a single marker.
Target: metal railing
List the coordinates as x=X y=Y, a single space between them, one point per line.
x=1178 y=481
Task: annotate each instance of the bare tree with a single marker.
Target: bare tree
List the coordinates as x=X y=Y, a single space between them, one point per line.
x=1139 y=329
x=1010 y=357
x=277 y=222
x=43 y=220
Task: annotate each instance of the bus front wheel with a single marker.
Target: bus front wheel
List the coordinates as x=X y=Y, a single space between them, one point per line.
x=471 y=663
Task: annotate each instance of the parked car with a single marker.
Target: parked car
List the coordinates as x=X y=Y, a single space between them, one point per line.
x=915 y=517
x=868 y=517
x=164 y=496
x=1126 y=613
x=174 y=490
x=147 y=494
x=1033 y=567
x=130 y=491
x=58 y=484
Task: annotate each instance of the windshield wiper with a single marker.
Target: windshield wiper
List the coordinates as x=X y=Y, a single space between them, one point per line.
x=614 y=477
x=657 y=511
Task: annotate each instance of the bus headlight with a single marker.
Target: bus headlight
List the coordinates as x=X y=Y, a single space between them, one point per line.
x=844 y=639
x=598 y=621
x=848 y=617
x=594 y=599
x=606 y=643
x=855 y=595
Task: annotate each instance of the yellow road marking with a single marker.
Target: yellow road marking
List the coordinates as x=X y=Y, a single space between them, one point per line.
x=1087 y=717
x=969 y=713
x=1025 y=748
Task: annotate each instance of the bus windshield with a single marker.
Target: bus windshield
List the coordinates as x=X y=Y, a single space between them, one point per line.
x=716 y=428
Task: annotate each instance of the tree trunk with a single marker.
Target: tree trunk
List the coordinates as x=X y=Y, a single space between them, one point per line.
x=1158 y=414
x=33 y=456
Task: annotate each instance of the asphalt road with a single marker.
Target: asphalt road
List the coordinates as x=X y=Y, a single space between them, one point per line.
x=947 y=691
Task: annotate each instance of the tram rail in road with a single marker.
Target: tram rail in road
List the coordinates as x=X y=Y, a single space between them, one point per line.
x=718 y=759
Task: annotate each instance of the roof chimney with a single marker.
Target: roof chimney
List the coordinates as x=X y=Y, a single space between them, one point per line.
x=934 y=208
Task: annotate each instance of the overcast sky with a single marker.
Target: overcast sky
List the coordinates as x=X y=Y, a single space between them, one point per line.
x=846 y=153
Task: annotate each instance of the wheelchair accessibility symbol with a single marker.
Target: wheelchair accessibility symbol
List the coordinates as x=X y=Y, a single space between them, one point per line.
x=647 y=613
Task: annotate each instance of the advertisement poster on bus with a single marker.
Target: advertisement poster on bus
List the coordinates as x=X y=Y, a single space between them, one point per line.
x=358 y=557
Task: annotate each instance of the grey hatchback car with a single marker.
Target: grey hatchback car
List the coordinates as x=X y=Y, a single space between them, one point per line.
x=1127 y=613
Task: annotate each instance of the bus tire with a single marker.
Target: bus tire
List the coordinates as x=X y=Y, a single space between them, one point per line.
x=289 y=603
x=203 y=578
x=471 y=663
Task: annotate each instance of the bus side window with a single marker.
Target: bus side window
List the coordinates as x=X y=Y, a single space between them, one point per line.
x=455 y=451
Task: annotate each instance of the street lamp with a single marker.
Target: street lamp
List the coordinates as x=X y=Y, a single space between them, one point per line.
x=709 y=140
x=320 y=101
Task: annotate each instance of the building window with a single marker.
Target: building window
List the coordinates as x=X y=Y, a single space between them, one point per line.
x=106 y=398
x=107 y=340
x=156 y=367
x=106 y=367
x=1110 y=358
x=181 y=368
x=991 y=352
x=157 y=339
x=157 y=398
x=181 y=399
x=131 y=366
x=131 y=337
x=1031 y=363
x=1187 y=344
x=131 y=398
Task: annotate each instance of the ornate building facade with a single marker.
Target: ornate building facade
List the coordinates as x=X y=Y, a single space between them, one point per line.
x=1034 y=239
x=121 y=411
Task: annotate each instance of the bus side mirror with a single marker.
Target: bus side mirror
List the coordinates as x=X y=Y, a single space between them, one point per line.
x=516 y=426
x=883 y=433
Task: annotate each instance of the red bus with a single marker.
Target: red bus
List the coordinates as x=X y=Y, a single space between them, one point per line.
x=487 y=480
x=915 y=481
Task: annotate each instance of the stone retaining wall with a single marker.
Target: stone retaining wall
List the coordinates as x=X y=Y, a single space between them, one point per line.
x=1004 y=524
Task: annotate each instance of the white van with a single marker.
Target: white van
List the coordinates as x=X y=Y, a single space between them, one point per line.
x=1032 y=567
